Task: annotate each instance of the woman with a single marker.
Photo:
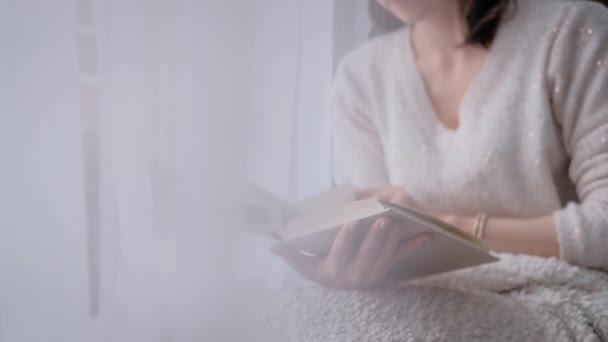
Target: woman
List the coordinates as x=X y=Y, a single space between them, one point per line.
x=491 y=114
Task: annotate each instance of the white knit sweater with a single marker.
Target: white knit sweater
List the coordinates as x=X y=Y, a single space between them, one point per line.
x=533 y=134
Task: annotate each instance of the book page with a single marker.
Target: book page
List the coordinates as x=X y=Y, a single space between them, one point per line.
x=330 y=198
x=261 y=212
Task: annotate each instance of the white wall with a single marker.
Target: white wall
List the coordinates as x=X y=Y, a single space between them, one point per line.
x=352 y=26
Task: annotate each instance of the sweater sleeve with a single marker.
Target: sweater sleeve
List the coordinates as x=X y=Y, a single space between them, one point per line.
x=357 y=151
x=578 y=82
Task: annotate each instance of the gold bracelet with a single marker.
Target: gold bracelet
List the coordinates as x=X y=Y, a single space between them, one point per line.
x=480 y=225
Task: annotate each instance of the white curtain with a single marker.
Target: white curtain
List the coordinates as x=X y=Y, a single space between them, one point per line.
x=43 y=286
x=176 y=83
x=289 y=150
x=119 y=121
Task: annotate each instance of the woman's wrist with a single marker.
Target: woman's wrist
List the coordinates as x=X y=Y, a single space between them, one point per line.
x=465 y=224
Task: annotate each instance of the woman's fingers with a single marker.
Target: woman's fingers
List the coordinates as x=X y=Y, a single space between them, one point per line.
x=401 y=198
x=382 y=192
x=371 y=247
x=384 y=261
x=360 y=257
x=408 y=246
x=332 y=269
x=365 y=193
x=344 y=247
x=389 y=193
x=307 y=266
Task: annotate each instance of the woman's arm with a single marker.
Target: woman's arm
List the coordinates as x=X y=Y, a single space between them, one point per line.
x=577 y=233
x=580 y=108
x=537 y=236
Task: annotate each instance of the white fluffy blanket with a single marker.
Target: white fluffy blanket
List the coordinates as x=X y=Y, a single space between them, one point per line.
x=520 y=298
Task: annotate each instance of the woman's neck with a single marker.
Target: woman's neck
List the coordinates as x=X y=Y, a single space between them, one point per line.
x=439 y=35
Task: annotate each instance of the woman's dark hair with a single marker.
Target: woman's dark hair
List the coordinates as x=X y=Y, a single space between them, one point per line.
x=483 y=19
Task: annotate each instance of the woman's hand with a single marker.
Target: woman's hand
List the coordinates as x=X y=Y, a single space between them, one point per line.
x=389 y=193
x=398 y=196
x=360 y=258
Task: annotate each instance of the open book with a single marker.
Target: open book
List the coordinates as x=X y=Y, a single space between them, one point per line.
x=312 y=225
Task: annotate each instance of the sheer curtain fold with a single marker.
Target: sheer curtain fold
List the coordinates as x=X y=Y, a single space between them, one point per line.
x=120 y=120
x=42 y=264
x=121 y=116
x=289 y=139
x=175 y=91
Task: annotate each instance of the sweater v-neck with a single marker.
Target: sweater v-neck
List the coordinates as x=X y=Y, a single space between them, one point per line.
x=413 y=85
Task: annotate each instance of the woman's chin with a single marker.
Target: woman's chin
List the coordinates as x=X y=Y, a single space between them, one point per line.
x=406 y=10
x=408 y=19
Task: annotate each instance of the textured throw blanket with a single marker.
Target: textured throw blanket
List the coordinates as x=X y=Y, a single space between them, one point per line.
x=520 y=298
